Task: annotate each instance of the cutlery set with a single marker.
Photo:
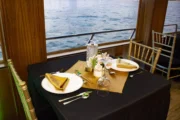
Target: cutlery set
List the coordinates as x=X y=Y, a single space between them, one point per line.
x=83 y=95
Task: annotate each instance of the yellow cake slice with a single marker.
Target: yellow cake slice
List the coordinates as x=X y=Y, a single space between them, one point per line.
x=128 y=66
x=58 y=82
x=123 y=64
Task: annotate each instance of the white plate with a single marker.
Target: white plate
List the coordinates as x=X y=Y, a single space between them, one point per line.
x=124 y=69
x=75 y=83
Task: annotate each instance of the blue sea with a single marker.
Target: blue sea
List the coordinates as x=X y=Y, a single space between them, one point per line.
x=68 y=17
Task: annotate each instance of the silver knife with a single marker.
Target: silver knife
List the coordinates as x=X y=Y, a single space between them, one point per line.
x=80 y=94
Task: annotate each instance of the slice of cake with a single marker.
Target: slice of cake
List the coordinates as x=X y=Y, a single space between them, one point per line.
x=58 y=82
x=123 y=64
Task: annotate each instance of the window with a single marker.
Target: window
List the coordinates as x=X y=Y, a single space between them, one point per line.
x=172 y=17
x=71 y=17
x=1 y=44
x=1 y=57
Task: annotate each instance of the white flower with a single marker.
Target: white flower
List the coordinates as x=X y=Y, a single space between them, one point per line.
x=92 y=61
x=105 y=55
x=98 y=59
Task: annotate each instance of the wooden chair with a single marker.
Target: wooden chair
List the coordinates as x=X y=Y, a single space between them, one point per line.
x=23 y=93
x=167 y=62
x=144 y=54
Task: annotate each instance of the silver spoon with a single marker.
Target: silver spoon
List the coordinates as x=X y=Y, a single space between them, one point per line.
x=131 y=76
x=84 y=96
x=78 y=95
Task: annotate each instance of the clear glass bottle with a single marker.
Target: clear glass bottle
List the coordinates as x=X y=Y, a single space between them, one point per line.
x=92 y=49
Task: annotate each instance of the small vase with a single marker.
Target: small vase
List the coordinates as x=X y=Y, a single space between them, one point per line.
x=98 y=71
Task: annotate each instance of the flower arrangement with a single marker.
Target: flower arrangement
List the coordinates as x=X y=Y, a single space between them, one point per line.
x=92 y=61
x=98 y=59
x=97 y=64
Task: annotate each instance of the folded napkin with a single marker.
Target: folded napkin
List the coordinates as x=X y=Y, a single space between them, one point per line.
x=58 y=82
x=127 y=65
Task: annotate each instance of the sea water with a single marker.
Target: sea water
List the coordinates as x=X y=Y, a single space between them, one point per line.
x=68 y=17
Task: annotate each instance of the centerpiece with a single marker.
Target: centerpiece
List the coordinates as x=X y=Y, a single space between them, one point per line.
x=97 y=64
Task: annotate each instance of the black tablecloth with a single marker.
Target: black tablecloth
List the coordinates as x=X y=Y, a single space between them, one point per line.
x=145 y=97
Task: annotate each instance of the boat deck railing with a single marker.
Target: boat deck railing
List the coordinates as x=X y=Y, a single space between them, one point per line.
x=92 y=34
x=101 y=32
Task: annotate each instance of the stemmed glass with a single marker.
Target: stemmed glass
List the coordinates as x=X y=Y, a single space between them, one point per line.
x=103 y=83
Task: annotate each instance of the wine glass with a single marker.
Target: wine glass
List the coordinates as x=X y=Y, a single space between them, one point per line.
x=103 y=84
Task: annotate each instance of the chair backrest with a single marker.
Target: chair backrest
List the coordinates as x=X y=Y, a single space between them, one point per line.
x=177 y=48
x=167 y=43
x=23 y=93
x=144 y=54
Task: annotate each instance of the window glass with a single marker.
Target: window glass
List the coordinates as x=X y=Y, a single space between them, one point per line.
x=172 y=16
x=71 y=17
x=1 y=57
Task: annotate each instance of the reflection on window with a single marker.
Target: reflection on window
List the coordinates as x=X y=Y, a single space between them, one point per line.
x=172 y=16
x=70 y=17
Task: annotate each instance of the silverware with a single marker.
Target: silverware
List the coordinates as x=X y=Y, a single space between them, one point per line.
x=131 y=76
x=84 y=96
x=81 y=94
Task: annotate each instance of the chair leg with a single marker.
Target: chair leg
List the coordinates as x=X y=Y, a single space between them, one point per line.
x=168 y=74
x=162 y=73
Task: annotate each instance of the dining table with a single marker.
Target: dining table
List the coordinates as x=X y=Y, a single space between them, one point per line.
x=145 y=96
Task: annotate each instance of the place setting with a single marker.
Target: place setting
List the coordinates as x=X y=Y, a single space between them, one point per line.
x=61 y=83
x=101 y=73
x=64 y=83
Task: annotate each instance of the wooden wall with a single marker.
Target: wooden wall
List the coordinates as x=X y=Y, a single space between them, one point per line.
x=7 y=104
x=159 y=16
x=24 y=32
x=151 y=17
